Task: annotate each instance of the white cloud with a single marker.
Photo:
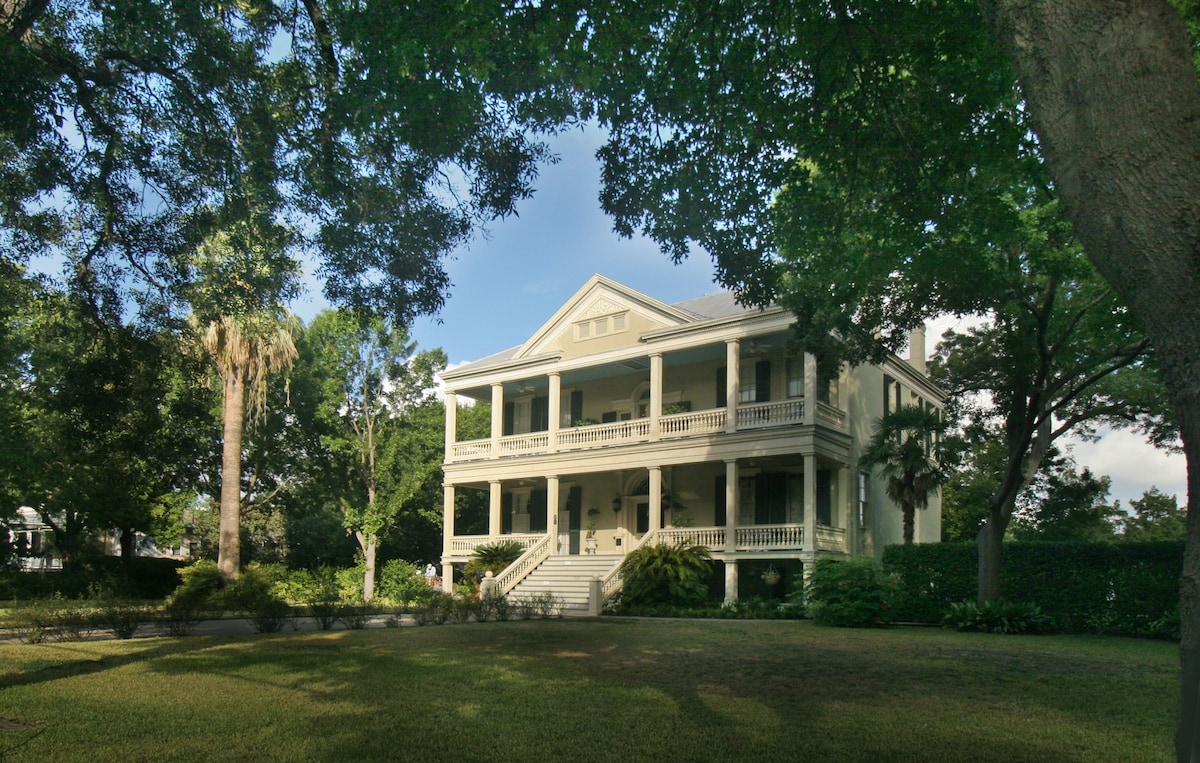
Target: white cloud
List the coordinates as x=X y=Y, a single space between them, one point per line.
x=1133 y=465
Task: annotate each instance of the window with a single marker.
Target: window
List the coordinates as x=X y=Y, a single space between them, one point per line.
x=795 y=377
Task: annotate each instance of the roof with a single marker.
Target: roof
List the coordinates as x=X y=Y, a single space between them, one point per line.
x=710 y=306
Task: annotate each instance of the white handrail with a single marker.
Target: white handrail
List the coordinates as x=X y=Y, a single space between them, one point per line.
x=526 y=563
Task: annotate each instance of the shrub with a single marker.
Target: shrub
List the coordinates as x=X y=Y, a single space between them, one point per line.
x=850 y=594
x=32 y=623
x=268 y=614
x=201 y=583
x=493 y=557
x=123 y=618
x=356 y=615
x=350 y=582
x=402 y=583
x=665 y=574
x=997 y=616
x=1117 y=588
x=435 y=610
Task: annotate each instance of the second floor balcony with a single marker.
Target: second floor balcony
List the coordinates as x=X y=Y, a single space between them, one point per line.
x=673 y=426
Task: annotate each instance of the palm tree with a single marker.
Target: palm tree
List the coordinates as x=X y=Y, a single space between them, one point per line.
x=908 y=446
x=246 y=351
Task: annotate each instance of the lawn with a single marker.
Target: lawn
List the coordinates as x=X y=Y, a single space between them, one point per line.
x=588 y=690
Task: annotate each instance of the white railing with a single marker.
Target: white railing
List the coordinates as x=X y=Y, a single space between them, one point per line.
x=758 y=415
x=522 y=444
x=712 y=538
x=599 y=435
x=689 y=424
x=535 y=554
x=471 y=450
x=787 y=537
x=465 y=545
x=831 y=538
x=827 y=415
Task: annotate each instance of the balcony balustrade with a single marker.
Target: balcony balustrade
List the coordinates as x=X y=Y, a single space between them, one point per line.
x=673 y=426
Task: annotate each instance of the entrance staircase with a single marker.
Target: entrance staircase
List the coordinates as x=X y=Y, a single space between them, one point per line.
x=567 y=578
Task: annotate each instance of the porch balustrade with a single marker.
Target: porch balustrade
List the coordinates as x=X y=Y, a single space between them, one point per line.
x=673 y=426
x=521 y=444
x=769 y=537
x=465 y=545
x=603 y=435
x=829 y=416
x=831 y=538
x=691 y=424
x=712 y=538
x=759 y=415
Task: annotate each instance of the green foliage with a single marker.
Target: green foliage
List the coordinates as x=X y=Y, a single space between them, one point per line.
x=123 y=618
x=850 y=594
x=997 y=616
x=1066 y=505
x=665 y=574
x=1117 y=588
x=910 y=448
x=402 y=583
x=492 y=557
x=1156 y=517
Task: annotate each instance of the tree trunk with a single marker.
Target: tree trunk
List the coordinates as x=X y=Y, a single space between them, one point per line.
x=369 y=575
x=991 y=549
x=910 y=520
x=1112 y=91
x=229 y=551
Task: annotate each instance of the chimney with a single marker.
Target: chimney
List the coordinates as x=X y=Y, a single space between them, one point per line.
x=916 y=349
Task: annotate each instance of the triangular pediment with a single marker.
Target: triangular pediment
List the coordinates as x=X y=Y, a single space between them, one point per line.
x=602 y=315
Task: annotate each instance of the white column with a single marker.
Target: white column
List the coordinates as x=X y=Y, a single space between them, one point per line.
x=494 y=524
x=447 y=536
x=555 y=413
x=810 y=504
x=451 y=423
x=655 y=498
x=731 y=580
x=497 y=418
x=656 y=392
x=810 y=391
x=731 y=508
x=552 y=507
x=733 y=357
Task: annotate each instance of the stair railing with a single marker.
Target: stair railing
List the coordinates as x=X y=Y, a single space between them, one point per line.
x=525 y=564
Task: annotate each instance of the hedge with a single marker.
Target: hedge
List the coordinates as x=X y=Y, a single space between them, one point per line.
x=140 y=578
x=1118 y=588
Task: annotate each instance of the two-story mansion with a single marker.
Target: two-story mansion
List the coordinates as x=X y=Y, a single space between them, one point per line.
x=624 y=421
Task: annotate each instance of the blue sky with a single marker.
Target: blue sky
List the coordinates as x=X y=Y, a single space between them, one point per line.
x=507 y=283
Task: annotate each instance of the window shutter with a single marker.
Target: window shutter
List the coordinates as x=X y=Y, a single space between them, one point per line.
x=722 y=387
x=537 y=511
x=509 y=411
x=576 y=405
x=506 y=503
x=762 y=381
x=539 y=414
x=719 y=501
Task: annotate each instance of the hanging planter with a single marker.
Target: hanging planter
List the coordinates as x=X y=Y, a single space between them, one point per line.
x=771 y=575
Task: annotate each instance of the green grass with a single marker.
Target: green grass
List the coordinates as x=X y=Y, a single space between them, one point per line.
x=615 y=689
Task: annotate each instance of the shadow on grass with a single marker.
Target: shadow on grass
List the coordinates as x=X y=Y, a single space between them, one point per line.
x=618 y=690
